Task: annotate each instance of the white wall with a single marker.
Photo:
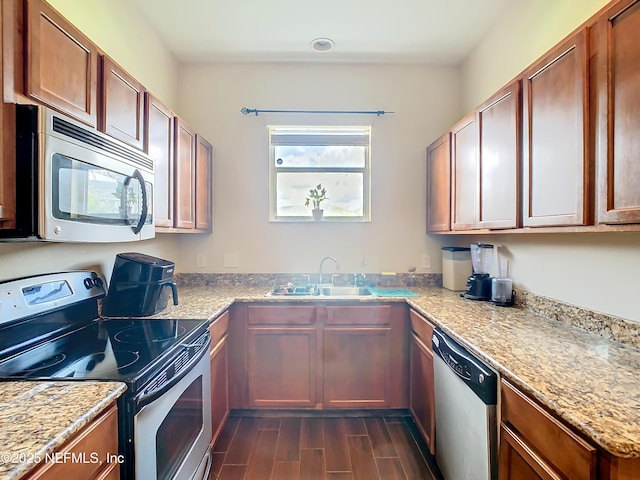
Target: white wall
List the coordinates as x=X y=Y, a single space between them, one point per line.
x=595 y=271
x=426 y=102
x=128 y=39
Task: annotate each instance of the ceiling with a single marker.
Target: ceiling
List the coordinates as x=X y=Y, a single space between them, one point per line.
x=398 y=31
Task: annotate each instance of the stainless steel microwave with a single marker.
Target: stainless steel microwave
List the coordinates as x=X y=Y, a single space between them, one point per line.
x=76 y=184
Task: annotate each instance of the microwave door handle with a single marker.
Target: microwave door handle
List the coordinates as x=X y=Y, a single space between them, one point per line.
x=145 y=208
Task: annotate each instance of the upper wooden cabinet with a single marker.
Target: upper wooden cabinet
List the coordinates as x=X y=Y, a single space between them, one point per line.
x=122 y=115
x=7 y=137
x=557 y=168
x=185 y=168
x=499 y=158
x=439 y=185
x=464 y=173
x=61 y=63
x=618 y=119
x=203 y=188
x=159 y=138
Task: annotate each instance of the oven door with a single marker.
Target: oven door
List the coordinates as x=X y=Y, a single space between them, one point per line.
x=89 y=193
x=173 y=432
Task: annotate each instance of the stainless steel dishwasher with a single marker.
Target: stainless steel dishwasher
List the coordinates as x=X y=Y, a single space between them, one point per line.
x=466 y=392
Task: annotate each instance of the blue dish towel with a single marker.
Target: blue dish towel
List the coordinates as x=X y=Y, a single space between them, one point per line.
x=391 y=292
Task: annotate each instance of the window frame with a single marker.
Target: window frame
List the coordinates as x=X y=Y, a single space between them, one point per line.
x=315 y=132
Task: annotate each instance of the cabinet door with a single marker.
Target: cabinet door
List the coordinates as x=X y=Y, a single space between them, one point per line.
x=122 y=105
x=357 y=367
x=519 y=461
x=439 y=185
x=61 y=63
x=464 y=173
x=7 y=141
x=619 y=113
x=219 y=387
x=499 y=159
x=557 y=165
x=159 y=146
x=185 y=167
x=422 y=393
x=282 y=367
x=204 y=180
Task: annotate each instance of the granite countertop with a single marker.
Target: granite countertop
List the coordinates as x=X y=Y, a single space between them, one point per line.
x=589 y=381
x=38 y=417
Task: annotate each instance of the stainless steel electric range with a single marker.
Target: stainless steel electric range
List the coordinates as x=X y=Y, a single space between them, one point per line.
x=50 y=329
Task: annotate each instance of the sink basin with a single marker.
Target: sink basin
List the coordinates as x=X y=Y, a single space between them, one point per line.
x=344 y=291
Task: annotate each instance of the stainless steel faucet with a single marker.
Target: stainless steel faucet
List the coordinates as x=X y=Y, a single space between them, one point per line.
x=322 y=263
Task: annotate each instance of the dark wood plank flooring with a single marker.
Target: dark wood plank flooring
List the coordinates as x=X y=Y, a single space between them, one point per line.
x=253 y=447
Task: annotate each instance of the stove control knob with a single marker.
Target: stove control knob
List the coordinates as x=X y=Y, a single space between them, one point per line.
x=88 y=283
x=481 y=378
x=98 y=282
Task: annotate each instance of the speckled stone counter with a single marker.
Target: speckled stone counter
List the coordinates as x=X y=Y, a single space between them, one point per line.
x=590 y=381
x=38 y=417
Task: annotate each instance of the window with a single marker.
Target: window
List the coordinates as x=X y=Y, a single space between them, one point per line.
x=336 y=157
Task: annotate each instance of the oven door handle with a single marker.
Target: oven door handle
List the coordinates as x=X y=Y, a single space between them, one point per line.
x=147 y=396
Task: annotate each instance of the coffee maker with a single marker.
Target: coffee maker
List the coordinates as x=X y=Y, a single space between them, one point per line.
x=139 y=286
x=479 y=284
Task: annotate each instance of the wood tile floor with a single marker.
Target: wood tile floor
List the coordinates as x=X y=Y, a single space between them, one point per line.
x=321 y=448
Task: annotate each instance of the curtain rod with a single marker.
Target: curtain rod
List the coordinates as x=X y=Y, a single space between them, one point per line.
x=247 y=111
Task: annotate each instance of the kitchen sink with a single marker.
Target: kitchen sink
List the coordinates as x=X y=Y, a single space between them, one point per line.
x=344 y=291
x=290 y=290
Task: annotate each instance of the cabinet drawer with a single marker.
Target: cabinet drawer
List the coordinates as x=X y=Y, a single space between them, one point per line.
x=422 y=328
x=96 y=440
x=564 y=450
x=218 y=328
x=358 y=315
x=278 y=315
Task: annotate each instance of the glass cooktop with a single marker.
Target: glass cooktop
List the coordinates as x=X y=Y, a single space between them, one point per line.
x=120 y=350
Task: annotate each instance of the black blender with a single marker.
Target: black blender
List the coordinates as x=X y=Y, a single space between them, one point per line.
x=479 y=284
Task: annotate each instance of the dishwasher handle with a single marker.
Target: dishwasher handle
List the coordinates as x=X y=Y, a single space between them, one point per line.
x=473 y=372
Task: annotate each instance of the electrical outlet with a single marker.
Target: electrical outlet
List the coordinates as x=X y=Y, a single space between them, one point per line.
x=230 y=260
x=426 y=260
x=201 y=260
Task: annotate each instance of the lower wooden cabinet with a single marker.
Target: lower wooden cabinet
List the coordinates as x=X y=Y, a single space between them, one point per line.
x=219 y=374
x=98 y=439
x=421 y=380
x=318 y=356
x=535 y=445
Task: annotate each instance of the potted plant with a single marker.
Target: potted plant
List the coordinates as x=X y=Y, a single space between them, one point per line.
x=316 y=196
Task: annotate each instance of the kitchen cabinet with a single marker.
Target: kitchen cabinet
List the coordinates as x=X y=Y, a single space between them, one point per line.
x=7 y=126
x=99 y=441
x=364 y=356
x=535 y=445
x=318 y=356
x=219 y=374
x=499 y=191
x=203 y=187
x=439 y=185
x=184 y=175
x=61 y=63
x=122 y=100
x=421 y=378
x=557 y=171
x=159 y=138
x=618 y=119
x=282 y=362
x=464 y=173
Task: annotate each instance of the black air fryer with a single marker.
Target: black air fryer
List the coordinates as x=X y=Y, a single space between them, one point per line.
x=139 y=286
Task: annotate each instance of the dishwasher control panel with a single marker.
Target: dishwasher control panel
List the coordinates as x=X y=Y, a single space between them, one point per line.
x=481 y=378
